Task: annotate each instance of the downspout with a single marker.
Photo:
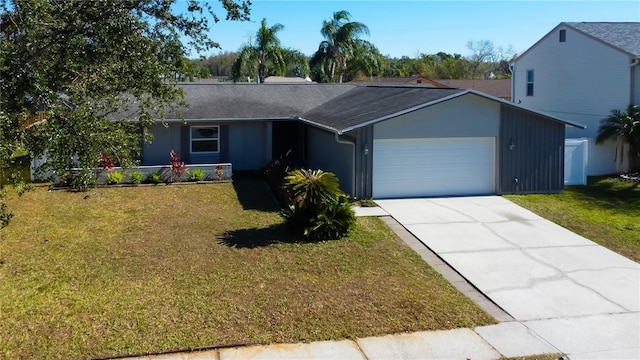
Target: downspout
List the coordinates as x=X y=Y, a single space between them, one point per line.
x=634 y=64
x=353 y=157
x=513 y=79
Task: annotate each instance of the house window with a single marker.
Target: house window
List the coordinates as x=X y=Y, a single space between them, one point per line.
x=563 y=35
x=205 y=139
x=529 y=82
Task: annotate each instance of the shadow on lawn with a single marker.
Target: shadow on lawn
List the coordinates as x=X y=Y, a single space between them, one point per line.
x=254 y=238
x=253 y=193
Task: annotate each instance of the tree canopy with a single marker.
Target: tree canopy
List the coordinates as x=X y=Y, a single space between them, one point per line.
x=80 y=62
x=340 y=45
x=266 y=56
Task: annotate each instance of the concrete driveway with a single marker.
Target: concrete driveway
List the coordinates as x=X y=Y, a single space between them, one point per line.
x=579 y=297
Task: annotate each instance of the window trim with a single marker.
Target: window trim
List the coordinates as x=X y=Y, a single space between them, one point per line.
x=191 y=139
x=530 y=82
x=562 y=35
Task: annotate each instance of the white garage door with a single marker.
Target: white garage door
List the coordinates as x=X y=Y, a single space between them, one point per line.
x=433 y=167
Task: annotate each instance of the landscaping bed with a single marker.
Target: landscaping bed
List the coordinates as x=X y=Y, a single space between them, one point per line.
x=605 y=211
x=116 y=271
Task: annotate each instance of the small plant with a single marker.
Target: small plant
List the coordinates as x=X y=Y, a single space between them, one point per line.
x=154 y=178
x=177 y=169
x=106 y=162
x=195 y=175
x=115 y=177
x=135 y=177
x=219 y=172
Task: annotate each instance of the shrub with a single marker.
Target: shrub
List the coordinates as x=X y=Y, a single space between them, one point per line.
x=135 y=177
x=275 y=172
x=79 y=180
x=5 y=214
x=115 y=177
x=312 y=188
x=195 y=175
x=177 y=169
x=333 y=221
x=154 y=178
x=317 y=208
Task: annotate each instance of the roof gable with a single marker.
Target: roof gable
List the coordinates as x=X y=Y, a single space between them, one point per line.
x=624 y=36
x=621 y=36
x=367 y=105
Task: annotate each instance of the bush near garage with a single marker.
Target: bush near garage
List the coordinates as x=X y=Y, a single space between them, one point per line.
x=317 y=209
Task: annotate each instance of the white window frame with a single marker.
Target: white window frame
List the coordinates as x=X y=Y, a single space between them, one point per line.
x=530 y=82
x=191 y=139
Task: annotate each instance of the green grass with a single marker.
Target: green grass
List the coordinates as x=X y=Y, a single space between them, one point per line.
x=605 y=211
x=119 y=271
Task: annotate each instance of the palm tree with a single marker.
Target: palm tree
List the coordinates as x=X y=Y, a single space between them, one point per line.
x=340 y=39
x=265 y=51
x=624 y=127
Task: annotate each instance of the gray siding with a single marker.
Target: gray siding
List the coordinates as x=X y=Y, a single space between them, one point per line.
x=244 y=144
x=364 y=162
x=248 y=145
x=465 y=116
x=164 y=140
x=531 y=153
x=323 y=152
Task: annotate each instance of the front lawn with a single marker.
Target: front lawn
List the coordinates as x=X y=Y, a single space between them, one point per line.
x=117 y=271
x=606 y=211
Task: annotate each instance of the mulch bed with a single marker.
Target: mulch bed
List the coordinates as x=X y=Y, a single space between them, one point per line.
x=635 y=177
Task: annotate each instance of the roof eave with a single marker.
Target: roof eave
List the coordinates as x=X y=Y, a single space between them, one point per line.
x=398 y=113
x=173 y=120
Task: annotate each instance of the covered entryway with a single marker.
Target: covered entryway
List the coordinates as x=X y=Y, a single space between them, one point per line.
x=433 y=167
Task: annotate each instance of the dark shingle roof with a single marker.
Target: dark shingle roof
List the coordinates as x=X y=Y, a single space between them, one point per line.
x=334 y=107
x=390 y=80
x=253 y=101
x=500 y=88
x=623 y=35
x=368 y=103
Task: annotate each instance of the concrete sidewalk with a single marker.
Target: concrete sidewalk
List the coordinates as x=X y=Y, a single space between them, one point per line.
x=451 y=344
x=551 y=290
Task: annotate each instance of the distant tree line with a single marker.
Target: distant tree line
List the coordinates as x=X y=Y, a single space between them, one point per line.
x=343 y=56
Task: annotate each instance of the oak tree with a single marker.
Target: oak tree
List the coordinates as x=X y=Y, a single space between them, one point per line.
x=83 y=80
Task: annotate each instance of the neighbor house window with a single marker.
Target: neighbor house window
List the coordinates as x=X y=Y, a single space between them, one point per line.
x=529 y=82
x=563 y=35
x=205 y=139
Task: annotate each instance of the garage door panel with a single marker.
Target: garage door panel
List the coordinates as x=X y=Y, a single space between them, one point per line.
x=433 y=167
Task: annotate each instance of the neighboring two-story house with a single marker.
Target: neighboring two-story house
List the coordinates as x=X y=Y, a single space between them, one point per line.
x=580 y=71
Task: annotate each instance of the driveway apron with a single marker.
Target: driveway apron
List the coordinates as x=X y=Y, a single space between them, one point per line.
x=581 y=298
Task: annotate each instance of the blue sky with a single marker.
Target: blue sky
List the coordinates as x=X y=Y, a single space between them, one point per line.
x=409 y=28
